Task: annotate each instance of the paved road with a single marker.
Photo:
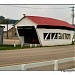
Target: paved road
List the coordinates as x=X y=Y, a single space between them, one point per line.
x=35 y=54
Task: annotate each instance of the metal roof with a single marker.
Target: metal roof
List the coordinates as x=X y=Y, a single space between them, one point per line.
x=49 y=21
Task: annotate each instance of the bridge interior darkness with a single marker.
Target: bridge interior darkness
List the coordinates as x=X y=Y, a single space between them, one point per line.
x=29 y=33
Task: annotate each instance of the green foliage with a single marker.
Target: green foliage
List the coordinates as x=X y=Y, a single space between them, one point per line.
x=5 y=21
x=1 y=17
x=10 y=47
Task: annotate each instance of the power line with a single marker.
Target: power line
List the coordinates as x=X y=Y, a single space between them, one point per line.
x=67 y=18
x=33 y=7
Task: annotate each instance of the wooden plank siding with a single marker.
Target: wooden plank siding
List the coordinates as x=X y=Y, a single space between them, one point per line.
x=11 y=33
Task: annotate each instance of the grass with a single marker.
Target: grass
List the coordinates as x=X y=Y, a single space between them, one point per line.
x=11 y=47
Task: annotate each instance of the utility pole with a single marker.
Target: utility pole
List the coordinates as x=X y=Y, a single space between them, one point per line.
x=7 y=28
x=73 y=22
x=72 y=15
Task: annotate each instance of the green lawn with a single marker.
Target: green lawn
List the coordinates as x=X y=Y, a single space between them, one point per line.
x=11 y=47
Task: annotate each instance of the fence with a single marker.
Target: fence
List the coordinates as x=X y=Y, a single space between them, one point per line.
x=24 y=67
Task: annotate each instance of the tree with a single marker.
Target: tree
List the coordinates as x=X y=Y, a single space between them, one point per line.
x=1 y=17
x=4 y=21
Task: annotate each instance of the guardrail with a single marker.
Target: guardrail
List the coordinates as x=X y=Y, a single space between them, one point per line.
x=24 y=67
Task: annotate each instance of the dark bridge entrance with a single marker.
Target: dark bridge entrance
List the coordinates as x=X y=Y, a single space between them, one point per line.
x=29 y=33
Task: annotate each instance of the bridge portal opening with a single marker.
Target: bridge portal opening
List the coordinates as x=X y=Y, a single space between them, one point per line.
x=29 y=33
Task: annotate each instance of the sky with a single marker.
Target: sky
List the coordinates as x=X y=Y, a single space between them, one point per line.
x=61 y=12
x=17 y=13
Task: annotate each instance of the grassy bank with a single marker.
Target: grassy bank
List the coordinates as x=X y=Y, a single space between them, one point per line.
x=11 y=47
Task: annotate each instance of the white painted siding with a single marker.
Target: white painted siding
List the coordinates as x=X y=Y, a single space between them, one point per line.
x=28 y=22
x=54 y=41
x=25 y=22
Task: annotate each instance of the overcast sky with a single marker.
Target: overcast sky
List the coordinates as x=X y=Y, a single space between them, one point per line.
x=61 y=12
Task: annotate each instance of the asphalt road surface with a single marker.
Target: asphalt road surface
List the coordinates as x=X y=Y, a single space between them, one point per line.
x=29 y=55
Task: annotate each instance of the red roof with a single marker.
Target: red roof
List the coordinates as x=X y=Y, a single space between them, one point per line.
x=49 y=21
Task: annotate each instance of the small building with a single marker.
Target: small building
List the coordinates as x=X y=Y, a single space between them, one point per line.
x=1 y=34
x=8 y=31
x=44 y=31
